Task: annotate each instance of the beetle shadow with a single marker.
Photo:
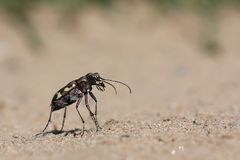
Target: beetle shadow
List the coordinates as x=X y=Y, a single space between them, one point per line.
x=75 y=132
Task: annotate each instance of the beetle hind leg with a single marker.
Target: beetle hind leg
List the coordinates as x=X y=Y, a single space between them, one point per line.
x=64 y=117
x=49 y=120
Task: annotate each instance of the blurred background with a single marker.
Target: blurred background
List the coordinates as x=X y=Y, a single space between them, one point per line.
x=181 y=57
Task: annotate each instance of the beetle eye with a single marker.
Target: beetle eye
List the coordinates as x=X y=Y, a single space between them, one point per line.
x=96 y=74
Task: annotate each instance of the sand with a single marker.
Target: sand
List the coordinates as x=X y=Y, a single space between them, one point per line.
x=184 y=104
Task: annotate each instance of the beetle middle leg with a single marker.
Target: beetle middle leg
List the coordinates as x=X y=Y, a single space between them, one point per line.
x=91 y=113
x=77 y=104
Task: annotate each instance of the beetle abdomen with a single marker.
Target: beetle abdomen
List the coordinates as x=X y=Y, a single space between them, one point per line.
x=61 y=103
x=65 y=100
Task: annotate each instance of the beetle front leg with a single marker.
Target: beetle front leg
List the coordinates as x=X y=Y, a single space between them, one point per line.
x=95 y=99
x=91 y=113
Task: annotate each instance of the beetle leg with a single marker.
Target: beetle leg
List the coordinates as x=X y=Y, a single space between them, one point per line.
x=91 y=113
x=64 y=117
x=77 y=104
x=49 y=120
x=95 y=99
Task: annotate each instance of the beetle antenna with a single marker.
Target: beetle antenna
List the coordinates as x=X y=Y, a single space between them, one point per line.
x=118 y=82
x=111 y=86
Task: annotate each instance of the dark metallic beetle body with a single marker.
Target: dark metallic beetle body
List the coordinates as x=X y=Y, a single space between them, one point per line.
x=75 y=91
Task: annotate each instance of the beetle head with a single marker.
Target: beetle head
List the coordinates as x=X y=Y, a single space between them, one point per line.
x=95 y=79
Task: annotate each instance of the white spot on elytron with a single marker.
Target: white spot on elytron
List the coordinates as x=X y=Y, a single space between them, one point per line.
x=59 y=94
x=66 y=89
